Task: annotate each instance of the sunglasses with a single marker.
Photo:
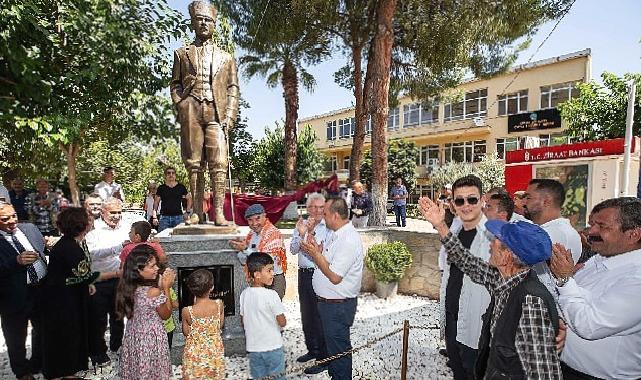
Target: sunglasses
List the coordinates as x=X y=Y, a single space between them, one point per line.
x=470 y=201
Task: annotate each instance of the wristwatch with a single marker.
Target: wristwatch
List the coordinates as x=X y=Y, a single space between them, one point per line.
x=562 y=281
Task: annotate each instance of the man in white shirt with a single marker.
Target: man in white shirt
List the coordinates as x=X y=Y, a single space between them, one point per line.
x=108 y=188
x=600 y=302
x=105 y=242
x=543 y=201
x=337 y=282
x=312 y=228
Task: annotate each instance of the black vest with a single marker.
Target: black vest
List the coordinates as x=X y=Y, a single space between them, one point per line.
x=498 y=358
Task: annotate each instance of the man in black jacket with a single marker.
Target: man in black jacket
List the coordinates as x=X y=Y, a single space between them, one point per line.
x=22 y=268
x=524 y=346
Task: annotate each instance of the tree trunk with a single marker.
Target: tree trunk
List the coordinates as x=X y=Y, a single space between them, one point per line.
x=290 y=93
x=378 y=73
x=358 y=141
x=71 y=152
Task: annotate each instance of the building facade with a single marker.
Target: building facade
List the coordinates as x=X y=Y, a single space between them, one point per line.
x=480 y=117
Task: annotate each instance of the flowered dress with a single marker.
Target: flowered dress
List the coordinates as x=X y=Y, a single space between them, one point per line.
x=145 y=351
x=203 y=356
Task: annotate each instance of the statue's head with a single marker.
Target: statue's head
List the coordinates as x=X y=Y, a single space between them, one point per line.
x=203 y=19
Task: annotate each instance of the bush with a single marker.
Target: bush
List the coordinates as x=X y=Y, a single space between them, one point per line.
x=388 y=261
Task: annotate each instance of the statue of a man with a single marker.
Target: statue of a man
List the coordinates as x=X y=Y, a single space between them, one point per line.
x=204 y=90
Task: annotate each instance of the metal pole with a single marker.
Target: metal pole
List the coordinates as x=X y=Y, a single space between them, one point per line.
x=406 y=333
x=627 y=147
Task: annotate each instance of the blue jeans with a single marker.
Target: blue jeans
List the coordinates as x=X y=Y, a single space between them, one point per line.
x=337 y=319
x=267 y=363
x=169 y=221
x=401 y=212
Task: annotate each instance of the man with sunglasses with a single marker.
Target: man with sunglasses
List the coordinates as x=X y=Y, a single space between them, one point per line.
x=462 y=301
x=105 y=242
x=22 y=269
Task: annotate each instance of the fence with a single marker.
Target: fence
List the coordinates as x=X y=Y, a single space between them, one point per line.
x=405 y=342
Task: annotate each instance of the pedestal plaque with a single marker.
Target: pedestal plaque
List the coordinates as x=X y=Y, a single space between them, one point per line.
x=187 y=253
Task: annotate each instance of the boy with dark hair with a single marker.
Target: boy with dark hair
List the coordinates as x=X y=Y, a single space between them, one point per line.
x=263 y=316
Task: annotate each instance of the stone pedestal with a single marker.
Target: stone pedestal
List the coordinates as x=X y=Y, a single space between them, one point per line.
x=186 y=252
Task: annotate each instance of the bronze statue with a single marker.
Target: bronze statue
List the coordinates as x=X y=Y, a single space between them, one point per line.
x=204 y=90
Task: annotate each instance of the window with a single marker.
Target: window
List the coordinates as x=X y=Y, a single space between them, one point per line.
x=468 y=151
x=331 y=130
x=429 y=191
x=556 y=139
x=473 y=104
x=393 y=121
x=427 y=152
x=346 y=162
x=514 y=103
x=506 y=145
x=346 y=127
x=553 y=95
x=330 y=164
x=420 y=113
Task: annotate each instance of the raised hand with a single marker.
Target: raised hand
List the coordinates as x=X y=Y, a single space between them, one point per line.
x=432 y=212
x=561 y=262
x=167 y=278
x=301 y=227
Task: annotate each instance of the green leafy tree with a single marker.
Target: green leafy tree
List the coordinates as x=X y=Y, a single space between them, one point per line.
x=401 y=155
x=77 y=72
x=490 y=170
x=269 y=162
x=279 y=42
x=243 y=149
x=600 y=111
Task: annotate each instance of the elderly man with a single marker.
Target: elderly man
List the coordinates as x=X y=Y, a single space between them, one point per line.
x=204 y=90
x=600 y=302
x=108 y=188
x=361 y=205
x=263 y=237
x=22 y=267
x=105 y=242
x=19 y=199
x=337 y=282
x=93 y=204
x=543 y=202
x=314 y=228
x=525 y=344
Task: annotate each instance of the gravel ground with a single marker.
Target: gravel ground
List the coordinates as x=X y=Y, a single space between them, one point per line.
x=375 y=318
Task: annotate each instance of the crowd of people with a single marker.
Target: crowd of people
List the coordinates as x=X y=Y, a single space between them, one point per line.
x=523 y=295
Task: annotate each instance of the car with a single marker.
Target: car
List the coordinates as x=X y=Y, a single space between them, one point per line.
x=390 y=206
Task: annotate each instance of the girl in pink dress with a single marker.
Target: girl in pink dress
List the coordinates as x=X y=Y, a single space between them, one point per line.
x=143 y=300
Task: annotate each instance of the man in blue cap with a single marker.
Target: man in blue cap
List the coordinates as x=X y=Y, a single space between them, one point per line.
x=263 y=236
x=524 y=346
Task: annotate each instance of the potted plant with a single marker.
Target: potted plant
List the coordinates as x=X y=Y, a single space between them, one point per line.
x=388 y=262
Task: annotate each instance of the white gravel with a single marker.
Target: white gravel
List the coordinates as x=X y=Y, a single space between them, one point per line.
x=374 y=318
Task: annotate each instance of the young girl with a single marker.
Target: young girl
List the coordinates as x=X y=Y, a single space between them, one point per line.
x=202 y=322
x=145 y=351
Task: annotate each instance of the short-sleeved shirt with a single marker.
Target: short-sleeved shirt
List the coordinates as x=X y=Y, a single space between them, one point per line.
x=344 y=252
x=171 y=198
x=398 y=190
x=259 y=307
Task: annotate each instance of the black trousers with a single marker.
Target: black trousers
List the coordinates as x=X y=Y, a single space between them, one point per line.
x=102 y=311
x=312 y=327
x=462 y=358
x=14 y=328
x=570 y=373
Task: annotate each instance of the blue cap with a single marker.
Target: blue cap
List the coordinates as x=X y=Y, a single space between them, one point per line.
x=526 y=240
x=254 y=209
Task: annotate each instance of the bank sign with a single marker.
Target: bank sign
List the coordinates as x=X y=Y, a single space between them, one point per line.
x=570 y=151
x=533 y=121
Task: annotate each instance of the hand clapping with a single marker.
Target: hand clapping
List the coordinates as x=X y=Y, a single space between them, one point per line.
x=167 y=278
x=561 y=262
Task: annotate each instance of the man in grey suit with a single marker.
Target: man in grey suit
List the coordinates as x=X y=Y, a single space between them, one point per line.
x=204 y=90
x=22 y=268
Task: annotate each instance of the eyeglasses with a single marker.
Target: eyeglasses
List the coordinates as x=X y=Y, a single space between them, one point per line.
x=470 y=201
x=169 y=173
x=5 y=219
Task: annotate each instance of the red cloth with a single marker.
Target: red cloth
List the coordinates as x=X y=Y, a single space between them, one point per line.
x=274 y=206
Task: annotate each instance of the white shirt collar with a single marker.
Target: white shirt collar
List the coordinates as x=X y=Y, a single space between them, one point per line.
x=622 y=259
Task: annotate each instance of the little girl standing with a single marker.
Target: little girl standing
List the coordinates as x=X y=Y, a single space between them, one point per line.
x=145 y=351
x=202 y=322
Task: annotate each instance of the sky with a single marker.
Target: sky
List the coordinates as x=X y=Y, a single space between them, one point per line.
x=610 y=28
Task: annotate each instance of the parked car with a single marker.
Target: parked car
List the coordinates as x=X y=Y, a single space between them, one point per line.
x=390 y=206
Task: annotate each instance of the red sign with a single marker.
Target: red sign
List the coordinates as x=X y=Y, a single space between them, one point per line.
x=568 y=151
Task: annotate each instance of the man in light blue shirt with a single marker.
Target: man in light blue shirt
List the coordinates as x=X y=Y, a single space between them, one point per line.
x=399 y=195
x=312 y=228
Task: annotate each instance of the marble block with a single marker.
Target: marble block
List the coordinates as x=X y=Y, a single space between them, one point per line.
x=189 y=251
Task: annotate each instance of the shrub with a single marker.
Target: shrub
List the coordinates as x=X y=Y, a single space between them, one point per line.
x=388 y=261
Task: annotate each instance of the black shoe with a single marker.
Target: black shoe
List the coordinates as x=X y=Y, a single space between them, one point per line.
x=443 y=352
x=305 y=358
x=315 y=370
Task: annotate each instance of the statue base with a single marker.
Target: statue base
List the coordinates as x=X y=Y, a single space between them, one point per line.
x=204 y=229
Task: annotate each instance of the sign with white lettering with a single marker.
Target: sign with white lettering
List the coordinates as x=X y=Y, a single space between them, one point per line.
x=531 y=121
x=570 y=151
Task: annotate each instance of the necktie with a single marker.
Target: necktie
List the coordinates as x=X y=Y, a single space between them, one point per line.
x=31 y=271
